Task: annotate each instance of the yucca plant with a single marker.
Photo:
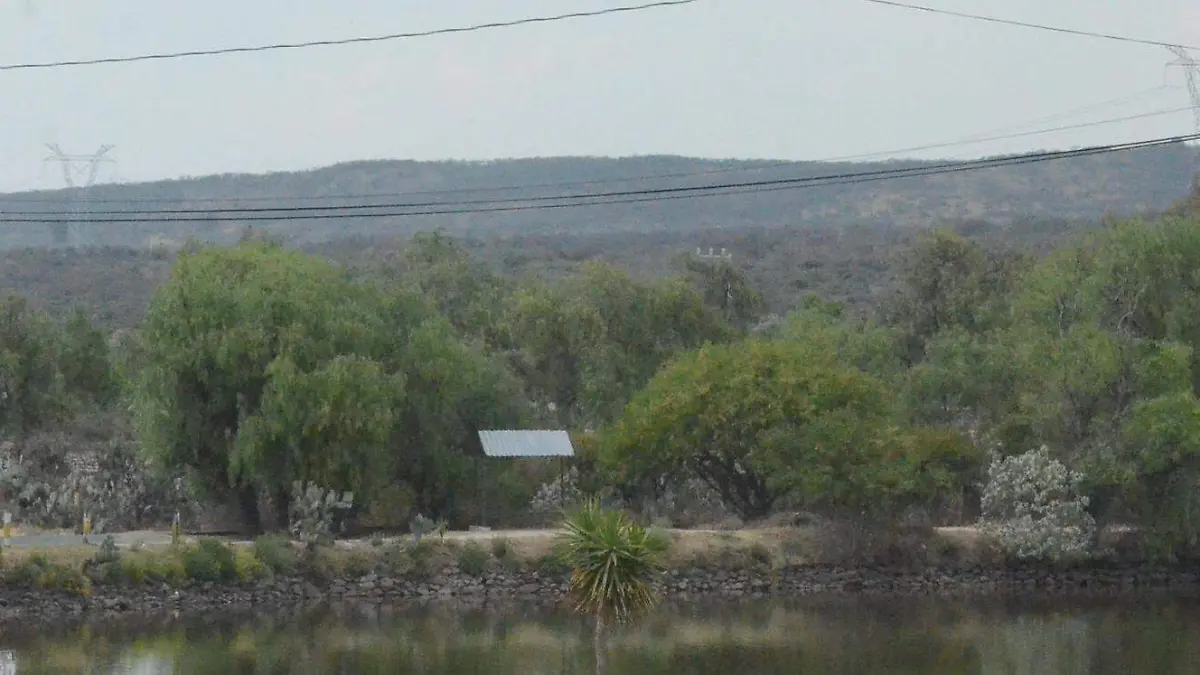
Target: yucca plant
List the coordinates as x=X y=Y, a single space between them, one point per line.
x=613 y=563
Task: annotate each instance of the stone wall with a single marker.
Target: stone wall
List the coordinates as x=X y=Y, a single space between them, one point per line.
x=452 y=585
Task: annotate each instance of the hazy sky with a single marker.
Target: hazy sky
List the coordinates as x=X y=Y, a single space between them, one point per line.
x=790 y=79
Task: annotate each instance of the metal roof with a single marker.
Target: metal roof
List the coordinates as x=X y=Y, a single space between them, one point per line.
x=526 y=444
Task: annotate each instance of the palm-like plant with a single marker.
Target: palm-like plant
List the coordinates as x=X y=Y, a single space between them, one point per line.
x=613 y=562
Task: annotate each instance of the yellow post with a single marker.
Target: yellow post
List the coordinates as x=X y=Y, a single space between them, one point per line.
x=87 y=526
x=175 y=530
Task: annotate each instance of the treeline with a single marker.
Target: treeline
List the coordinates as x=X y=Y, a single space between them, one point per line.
x=258 y=367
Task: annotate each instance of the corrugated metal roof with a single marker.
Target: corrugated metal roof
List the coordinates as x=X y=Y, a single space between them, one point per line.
x=526 y=444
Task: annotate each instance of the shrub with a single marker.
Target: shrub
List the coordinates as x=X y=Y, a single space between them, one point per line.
x=1032 y=505
x=38 y=572
x=168 y=569
x=277 y=554
x=500 y=548
x=247 y=566
x=472 y=559
x=421 y=554
x=760 y=554
x=357 y=562
x=868 y=542
x=553 y=565
x=209 y=560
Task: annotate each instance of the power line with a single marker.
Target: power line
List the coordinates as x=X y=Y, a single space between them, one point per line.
x=511 y=188
x=1026 y=24
x=588 y=195
x=162 y=56
x=665 y=194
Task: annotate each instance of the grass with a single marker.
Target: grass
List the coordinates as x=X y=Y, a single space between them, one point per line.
x=79 y=569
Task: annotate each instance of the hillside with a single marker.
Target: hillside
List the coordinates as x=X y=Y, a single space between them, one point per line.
x=856 y=264
x=1073 y=189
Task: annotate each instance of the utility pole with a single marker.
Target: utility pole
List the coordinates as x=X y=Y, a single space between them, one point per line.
x=723 y=255
x=1191 y=74
x=721 y=263
x=60 y=233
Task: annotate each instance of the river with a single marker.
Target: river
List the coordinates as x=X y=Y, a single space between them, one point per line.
x=1156 y=635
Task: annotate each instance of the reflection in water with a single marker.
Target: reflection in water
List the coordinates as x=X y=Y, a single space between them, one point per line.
x=835 y=638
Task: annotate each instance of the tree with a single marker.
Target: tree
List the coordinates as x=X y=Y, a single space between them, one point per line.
x=950 y=283
x=758 y=420
x=613 y=562
x=264 y=367
x=31 y=386
x=1158 y=472
x=725 y=288
x=459 y=286
x=243 y=383
x=85 y=362
x=589 y=343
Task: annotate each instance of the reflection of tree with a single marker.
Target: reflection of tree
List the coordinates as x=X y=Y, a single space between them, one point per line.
x=1030 y=645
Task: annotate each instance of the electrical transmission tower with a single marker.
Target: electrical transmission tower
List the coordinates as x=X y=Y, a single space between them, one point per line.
x=72 y=165
x=1191 y=74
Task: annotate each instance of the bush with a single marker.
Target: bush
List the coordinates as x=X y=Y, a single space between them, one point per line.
x=500 y=548
x=472 y=559
x=247 y=566
x=870 y=543
x=209 y=560
x=1032 y=505
x=421 y=554
x=553 y=565
x=37 y=572
x=276 y=553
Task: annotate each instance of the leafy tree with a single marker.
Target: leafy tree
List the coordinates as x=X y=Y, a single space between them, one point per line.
x=242 y=381
x=592 y=341
x=725 y=288
x=757 y=420
x=265 y=367
x=1158 y=472
x=31 y=387
x=85 y=362
x=950 y=283
x=459 y=286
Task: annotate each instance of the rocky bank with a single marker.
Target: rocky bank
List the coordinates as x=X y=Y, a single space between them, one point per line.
x=450 y=585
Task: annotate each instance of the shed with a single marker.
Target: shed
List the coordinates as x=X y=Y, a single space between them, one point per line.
x=528 y=444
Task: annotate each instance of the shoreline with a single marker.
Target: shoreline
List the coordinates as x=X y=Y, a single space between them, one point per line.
x=471 y=569
x=454 y=588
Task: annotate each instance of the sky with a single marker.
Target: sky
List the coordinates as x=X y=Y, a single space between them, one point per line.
x=778 y=79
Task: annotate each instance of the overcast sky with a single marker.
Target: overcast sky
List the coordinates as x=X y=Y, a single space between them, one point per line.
x=783 y=79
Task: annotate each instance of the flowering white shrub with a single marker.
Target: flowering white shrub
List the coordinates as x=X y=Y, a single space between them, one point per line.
x=1031 y=503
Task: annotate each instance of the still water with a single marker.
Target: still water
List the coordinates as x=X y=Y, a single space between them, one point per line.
x=1150 y=635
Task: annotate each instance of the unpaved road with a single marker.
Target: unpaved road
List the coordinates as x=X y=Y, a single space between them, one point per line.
x=66 y=538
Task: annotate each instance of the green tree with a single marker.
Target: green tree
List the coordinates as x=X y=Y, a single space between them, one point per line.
x=240 y=351
x=950 y=283
x=31 y=387
x=462 y=288
x=592 y=341
x=759 y=420
x=265 y=366
x=613 y=563
x=85 y=362
x=1158 y=472
x=725 y=288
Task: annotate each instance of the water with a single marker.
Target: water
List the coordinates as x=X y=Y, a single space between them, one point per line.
x=1152 y=635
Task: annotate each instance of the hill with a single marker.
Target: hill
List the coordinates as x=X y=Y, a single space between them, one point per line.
x=840 y=242
x=1081 y=188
